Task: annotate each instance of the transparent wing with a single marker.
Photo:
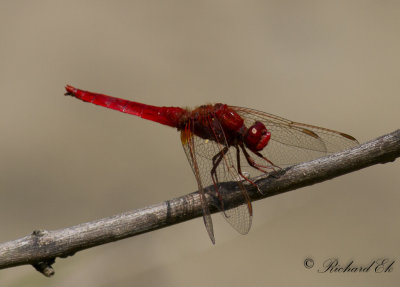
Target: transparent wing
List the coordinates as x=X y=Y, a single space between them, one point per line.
x=212 y=163
x=293 y=142
x=188 y=143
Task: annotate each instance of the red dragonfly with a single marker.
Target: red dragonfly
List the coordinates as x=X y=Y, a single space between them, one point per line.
x=232 y=144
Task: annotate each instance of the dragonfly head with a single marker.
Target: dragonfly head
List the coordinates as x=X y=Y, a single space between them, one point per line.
x=257 y=137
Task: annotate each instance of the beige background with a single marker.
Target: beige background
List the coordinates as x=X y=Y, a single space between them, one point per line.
x=335 y=64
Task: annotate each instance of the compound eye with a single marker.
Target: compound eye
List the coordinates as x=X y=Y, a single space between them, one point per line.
x=257 y=137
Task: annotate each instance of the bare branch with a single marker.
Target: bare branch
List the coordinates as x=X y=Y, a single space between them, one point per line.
x=42 y=247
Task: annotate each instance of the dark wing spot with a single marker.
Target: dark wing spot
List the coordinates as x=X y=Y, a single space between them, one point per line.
x=348 y=136
x=310 y=133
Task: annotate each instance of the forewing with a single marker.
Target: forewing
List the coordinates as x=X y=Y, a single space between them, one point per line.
x=293 y=142
x=240 y=216
x=188 y=143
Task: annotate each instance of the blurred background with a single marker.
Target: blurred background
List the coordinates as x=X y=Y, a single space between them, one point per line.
x=334 y=64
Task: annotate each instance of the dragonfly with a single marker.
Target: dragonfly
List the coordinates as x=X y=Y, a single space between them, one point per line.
x=231 y=144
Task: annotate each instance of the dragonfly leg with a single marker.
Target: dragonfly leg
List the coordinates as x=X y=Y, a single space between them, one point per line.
x=216 y=161
x=273 y=166
x=253 y=164
x=240 y=169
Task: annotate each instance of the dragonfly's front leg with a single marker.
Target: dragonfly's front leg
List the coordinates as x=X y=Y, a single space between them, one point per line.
x=253 y=164
x=240 y=169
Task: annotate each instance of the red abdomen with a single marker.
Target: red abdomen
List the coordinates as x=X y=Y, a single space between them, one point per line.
x=170 y=116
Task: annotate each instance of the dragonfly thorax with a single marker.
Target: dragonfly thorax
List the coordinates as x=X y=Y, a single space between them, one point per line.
x=229 y=119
